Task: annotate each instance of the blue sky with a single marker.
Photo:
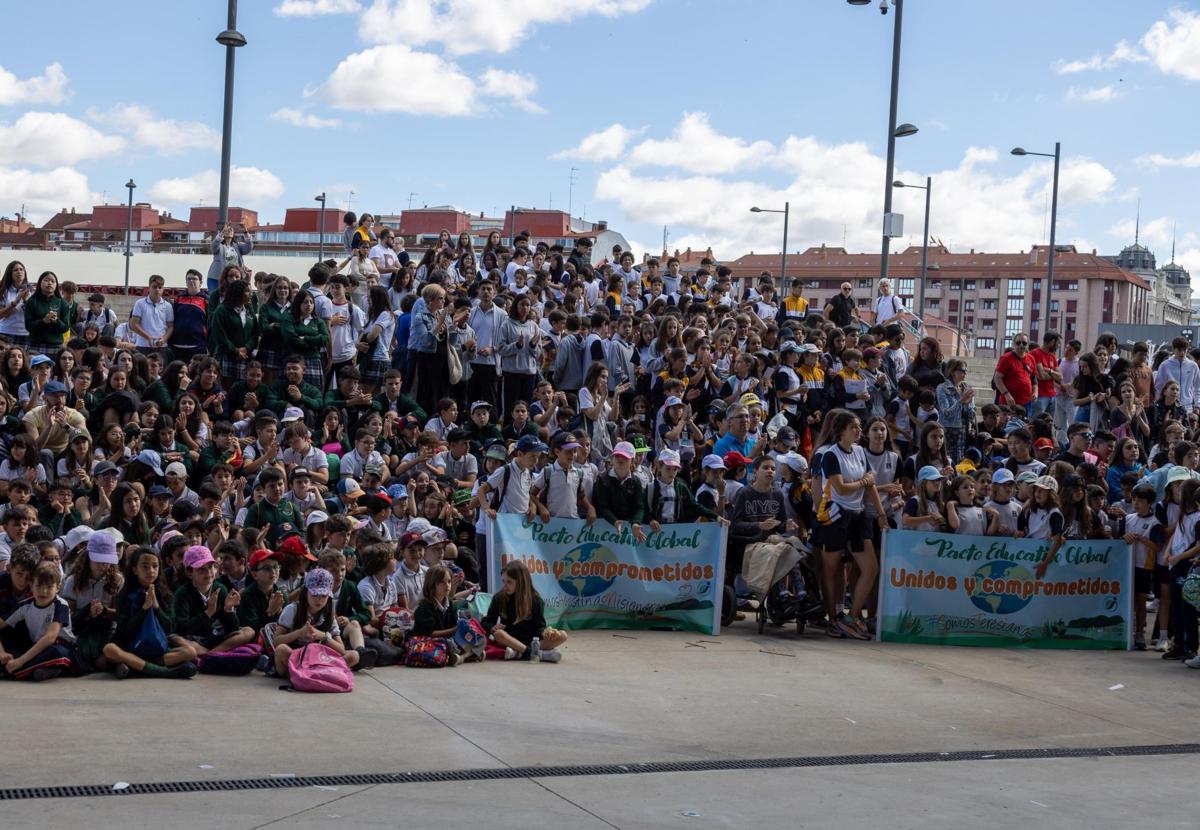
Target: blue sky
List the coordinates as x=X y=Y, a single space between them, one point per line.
x=696 y=109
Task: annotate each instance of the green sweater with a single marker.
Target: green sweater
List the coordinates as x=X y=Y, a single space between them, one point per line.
x=309 y=339
x=687 y=509
x=349 y=603
x=252 y=610
x=310 y=396
x=271 y=319
x=403 y=405
x=619 y=500
x=130 y=618
x=264 y=514
x=191 y=613
x=40 y=331
x=228 y=333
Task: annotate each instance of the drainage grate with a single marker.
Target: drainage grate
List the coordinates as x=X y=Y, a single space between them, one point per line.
x=506 y=773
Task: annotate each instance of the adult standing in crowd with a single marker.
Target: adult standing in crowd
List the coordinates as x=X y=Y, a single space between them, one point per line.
x=841 y=309
x=887 y=304
x=1045 y=363
x=228 y=247
x=1014 y=375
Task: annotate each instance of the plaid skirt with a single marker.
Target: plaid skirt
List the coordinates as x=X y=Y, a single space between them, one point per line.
x=48 y=349
x=231 y=366
x=374 y=370
x=271 y=359
x=314 y=370
x=21 y=340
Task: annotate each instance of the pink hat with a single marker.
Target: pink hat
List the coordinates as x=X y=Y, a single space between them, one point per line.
x=197 y=556
x=624 y=450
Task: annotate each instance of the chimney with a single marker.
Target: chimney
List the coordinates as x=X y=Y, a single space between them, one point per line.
x=602 y=225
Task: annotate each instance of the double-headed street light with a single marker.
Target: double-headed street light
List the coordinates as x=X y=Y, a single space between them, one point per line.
x=783 y=256
x=1046 y=316
x=928 y=188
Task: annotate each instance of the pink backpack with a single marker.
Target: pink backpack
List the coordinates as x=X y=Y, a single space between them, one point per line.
x=318 y=668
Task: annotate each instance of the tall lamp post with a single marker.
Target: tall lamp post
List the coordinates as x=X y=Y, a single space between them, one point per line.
x=128 y=232
x=783 y=257
x=321 y=229
x=231 y=39
x=1045 y=316
x=928 y=188
x=893 y=131
x=512 y=228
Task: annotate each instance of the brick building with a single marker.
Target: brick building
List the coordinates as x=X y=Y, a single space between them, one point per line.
x=986 y=296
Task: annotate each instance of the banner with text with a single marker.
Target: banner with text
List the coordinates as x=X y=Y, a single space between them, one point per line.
x=593 y=577
x=946 y=589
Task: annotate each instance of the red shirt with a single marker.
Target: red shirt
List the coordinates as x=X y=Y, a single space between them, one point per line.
x=1017 y=373
x=1048 y=360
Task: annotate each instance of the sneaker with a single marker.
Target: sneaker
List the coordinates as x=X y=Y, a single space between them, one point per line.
x=1152 y=606
x=1173 y=654
x=48 y=673
x=270 y=670
x=181 y=672
x=367 y=658
x=120 y=671
x=261 y=664
x=1139 y=643
x=509 y=654
x=1193 y=663
x=553 y=655
x=849 y=629
x=451 y=657
x=1163 y=644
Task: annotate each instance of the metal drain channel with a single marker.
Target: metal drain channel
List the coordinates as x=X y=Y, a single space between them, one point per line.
x=507 y=773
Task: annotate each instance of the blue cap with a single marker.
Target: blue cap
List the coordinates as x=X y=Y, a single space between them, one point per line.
x=54 y=387
x=530 y=443
x=1003 y=476
x=929 y=473
x=148 y=457
x=397 y=491
x=40 y=360
x=158 y=490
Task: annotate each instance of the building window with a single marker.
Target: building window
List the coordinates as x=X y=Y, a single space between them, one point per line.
x=989 y=305
x=1070 y=324
x=1016 y=288
x=987 y=325
x=814 y=283
x=1016 y=307
x=1072 y=286
x=970 y=286
x=1072 y=306
x=954 y=305
x=969 y=305
x=1011 y=327
x=969 y=322
x=904 y=287
x=935 y=284
x=933 y=304
x=988 y=284
x=985 y=342
x=1053 y=306
x=864 y=283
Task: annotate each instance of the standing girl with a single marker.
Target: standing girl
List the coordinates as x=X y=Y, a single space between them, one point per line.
x=307 y=335
x=519 y=349
x=15 y=290
x=956 y=407
x=963 y=513
x=145 y=594
x=272 y=344
x=1042 y=519
x=926 y=509
x=234 y=332
x=516 y=616
x=47 y=316
x=1182 y=549
x=375 y=343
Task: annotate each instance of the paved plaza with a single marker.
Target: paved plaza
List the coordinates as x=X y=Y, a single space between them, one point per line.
x=628 y=698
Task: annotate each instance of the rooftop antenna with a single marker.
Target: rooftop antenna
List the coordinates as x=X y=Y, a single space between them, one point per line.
x=410 y=198
x=843 y=237
x=666 y=236
x=349 y=200
x=1173 y=224
x=571 y=190
x=1137 y=222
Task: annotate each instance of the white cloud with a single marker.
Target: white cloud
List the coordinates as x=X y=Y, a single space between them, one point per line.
x=1160 y=160
x=394 y=78
x=1102 y=94
x=514 y=86
x=247 y=186
x=1175 y=46
x=697 y=147
x=43 y=193
x=468 y=26
x=1121 y=53
x=48 y=88
x=165 y=135
x=987 y=201
x=53 y=138
x=313 y=8
x=605 y=145
x=1154 y=233
x=299 y=118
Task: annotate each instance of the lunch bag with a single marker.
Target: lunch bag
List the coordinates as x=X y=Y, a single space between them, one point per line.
x=426 y=653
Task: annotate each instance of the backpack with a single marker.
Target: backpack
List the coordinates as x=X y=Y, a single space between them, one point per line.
x=427 y=653
x=318 y=668
x=470 y=638
x=498 y=495
x=150 y=643
x=1191 y=588
x=236 y=661
x=395 y=623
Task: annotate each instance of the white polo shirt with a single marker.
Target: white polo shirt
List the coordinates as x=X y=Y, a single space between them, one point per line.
x=154 y=319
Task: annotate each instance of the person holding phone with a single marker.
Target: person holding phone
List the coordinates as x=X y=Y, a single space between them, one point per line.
x=228 y=248
x=14 y=291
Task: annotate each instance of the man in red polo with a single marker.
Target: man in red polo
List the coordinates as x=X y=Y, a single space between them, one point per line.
x=1045 y=363
x=1014 y=375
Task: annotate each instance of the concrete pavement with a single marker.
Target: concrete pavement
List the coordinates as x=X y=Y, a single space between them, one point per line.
x=627 y=697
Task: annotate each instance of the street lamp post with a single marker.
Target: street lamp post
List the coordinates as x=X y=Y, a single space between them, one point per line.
x=893 y=131
x=321 y=229
x=231 y=39
x=1056 y=155
x=783 y=257
x=128 y=232
x=928 y=188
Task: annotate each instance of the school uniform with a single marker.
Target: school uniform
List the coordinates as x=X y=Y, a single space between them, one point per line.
x=190 y=609
x=35 y=619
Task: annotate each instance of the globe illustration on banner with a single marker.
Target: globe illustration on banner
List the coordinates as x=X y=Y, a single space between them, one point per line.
x=578 y=584
x=1000 y=602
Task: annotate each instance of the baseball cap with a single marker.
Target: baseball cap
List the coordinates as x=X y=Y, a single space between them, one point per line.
x=794 y=460
x=292 y=413
x=929 y=473
x=434 y=536
x=733 y=458
x=530 y=443
x=1003 y=476
x=461 y=496
x=479 y=404
x=564 y=440
x=624 y=450
x=316 y=517
x=54 y=387
x=1043 y=444
x=712 y=462
x=419 y=525
x=639 y=444
x=319 y=583
x=176 y=468
x=294 y=546
x=411 y=538
x=104 y=468
x=809 y=348
x=790 y=346
x=674 y=400
x=197 y=556
x=1046 y=483
x=750 y=399
x=40 y=360
x=1027 y=477
x=1178 y=473
x=397 y=491
x=77 y=433
x=787 y=435
x=262 y=555
x=374 y=503
x=371 y=470
x=669 y=458
x=148 y=457
x=717 y=405
x=497 y=451
x=76 y=536
x=102 y=549
x=349 y=488
x=158 y=490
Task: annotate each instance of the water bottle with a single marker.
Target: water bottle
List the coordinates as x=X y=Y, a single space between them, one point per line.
x=462 y=614
x=535 y=651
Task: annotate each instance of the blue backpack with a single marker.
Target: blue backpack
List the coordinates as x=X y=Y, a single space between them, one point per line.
x=151 y=640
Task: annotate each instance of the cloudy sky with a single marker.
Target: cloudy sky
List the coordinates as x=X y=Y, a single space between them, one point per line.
x=676 y=113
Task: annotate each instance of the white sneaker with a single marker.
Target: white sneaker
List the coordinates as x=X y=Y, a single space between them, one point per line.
x=1193 y=663
x=510 y=654
x=1152 y=606
x=551 y=655
x=1163 y=644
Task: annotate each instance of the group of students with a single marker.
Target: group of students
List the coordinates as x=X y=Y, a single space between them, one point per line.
x=322 y=462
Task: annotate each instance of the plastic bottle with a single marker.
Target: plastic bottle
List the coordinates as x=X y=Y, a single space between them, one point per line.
x=535 y=651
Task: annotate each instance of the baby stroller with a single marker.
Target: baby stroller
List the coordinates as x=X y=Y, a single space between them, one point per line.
x=780 y=576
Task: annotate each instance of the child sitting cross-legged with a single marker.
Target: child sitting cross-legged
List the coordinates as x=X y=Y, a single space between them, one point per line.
x=516 y=617
x=310 y=619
